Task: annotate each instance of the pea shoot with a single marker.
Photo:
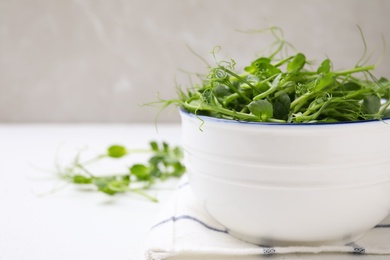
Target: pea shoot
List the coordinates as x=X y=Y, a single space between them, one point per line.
x=164 y=163
x=288 y=89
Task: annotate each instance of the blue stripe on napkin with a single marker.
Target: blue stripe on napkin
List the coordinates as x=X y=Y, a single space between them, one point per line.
x=174 y=219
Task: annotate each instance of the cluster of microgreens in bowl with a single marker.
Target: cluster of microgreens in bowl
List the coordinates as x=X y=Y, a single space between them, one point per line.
x=288 y=89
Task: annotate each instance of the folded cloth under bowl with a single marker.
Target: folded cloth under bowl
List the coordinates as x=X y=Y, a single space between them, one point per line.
x=183 y=229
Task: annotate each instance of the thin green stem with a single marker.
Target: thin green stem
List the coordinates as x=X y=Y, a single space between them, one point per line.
x=279 y=63
x=222 y=110
x=140 y=192
x=354 y=70
x=299 y=102
x=341 y=72
x=138 y=151
x=95 y=159
x=274 y=120
x=235 y=90
x=237 y=77
x=281 y=44
x=271 y=90
x=230 y=98
x=231 y=113
x=80 y=166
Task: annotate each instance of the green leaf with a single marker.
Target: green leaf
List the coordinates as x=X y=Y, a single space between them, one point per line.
x=221 y=90
x=262 y=109
x=324 y=81
x=126 y=178
x=154 y=146
x=275 y=82
x=384 y=82
x=102 y=184
x=371 y=104
x=118 y=186
x=263 y=68
x=194 y=104
x=179 y=169
x=81 y=179
x=177 y=151
x=107 y=191
x=282 y=107
x=351 y=86
x=140 y=171
x=166 y=147
x=253 y=79
x=254 y=65
x=261 y=87
x=324 y=67
x=297 y=63
x=116 y=151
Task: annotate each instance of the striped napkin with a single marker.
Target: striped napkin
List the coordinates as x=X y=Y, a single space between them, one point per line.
x=184 y=229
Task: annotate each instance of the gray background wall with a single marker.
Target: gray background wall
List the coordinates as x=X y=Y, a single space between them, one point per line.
x=97 y=60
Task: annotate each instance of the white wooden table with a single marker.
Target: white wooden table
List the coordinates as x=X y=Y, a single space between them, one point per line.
x=70 y=223
x=74 y=223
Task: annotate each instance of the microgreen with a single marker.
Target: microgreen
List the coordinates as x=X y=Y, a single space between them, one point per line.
x=281 y=89
x=164 y=162
x=116 y=151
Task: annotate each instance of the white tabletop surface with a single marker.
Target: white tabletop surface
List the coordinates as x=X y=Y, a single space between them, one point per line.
x=74 y=223
x=70 y=223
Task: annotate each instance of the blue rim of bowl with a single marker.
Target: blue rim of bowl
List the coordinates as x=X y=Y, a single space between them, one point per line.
x=231 y=121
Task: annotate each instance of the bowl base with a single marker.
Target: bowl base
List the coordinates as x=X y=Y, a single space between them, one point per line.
x=272 y=242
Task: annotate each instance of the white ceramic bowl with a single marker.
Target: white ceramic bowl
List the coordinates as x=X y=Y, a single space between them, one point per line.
x=290 y=184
